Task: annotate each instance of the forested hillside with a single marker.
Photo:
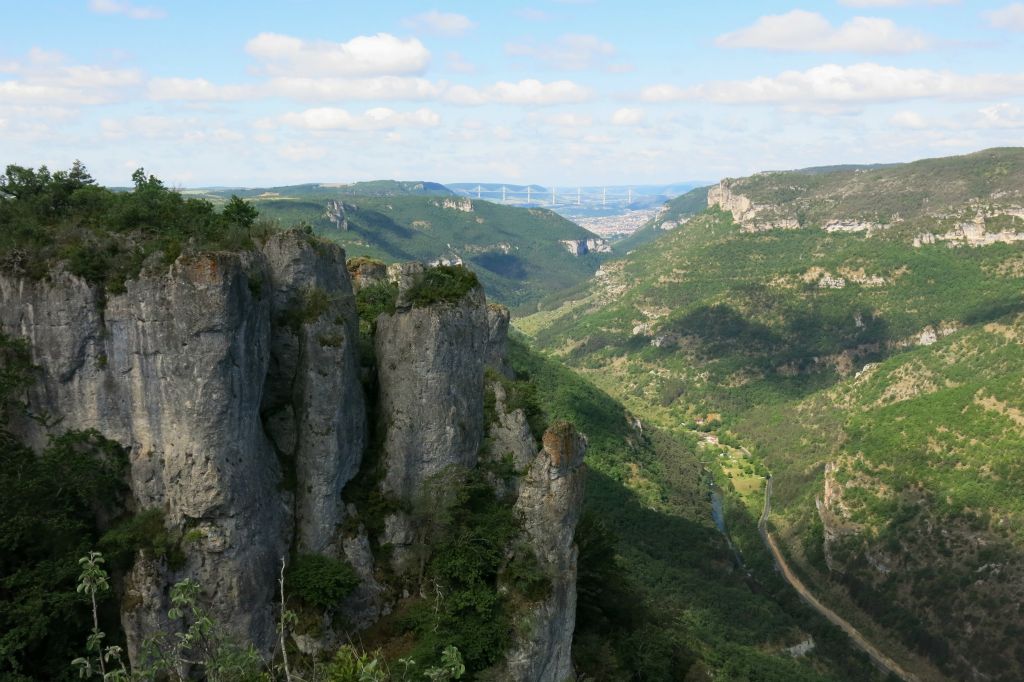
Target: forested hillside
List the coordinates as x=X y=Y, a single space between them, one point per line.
x=876 y=375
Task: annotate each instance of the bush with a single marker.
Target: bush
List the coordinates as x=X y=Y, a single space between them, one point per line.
x=441 y=284
x=145 y=532
x=106 y=236
x=320 y=581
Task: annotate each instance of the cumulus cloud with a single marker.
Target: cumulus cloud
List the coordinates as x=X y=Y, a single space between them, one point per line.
x=571 y=52
x=1010 y=17
x=44 y=78
x=379 y=88
x=309 y=89
x=379 y=118
x=1002 y=116
x=440 y=23
x=377 y=55
x=196 y=89
x=628 y=117
x=126 y=9
x=525 y=92
x=855 y=84
x=801 y=31
x=564 y=120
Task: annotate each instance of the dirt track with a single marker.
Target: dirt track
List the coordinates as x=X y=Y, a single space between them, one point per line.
x=879 y=659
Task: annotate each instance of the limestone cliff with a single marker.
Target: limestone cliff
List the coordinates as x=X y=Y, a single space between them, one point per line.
x=234 y=381
x=173 y=368
x=550 y=500
x=431 y=374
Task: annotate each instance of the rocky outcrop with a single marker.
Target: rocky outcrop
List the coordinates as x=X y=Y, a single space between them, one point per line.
x=509 y=435
x=233 y=379
x=550 y=500
x=173 y=369
x=745 y=213
x=741 y=208
x=431 y=377
x=313 y=402
x=581 y=247
x=366 y=272
x=498 y=320
x=335 y=212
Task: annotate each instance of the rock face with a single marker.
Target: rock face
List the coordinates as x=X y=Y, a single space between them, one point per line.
x=431 y=374
x=750 y=216
x=313 y=403
x=550 y=500
x=233 y=379
x=498 y=320
x=335 y=212
x=173 y=369
x=581 y=247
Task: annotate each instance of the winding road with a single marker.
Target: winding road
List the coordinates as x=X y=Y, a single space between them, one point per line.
x=877 y=657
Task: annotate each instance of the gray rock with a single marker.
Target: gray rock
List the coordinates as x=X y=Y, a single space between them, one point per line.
x=313 y=404
x=550 y=501
x=510 y=434
x=173 y=369
x=498 y=318
x=431 y=374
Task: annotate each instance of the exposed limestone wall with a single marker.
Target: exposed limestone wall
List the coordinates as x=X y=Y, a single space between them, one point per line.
x=234 y=382
x=313 y=404
x=550 y=501
x=173 y=369
x=431 y=377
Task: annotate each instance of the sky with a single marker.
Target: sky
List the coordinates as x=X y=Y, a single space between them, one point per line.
x=558 y=93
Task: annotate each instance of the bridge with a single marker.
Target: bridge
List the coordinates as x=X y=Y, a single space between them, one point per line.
x=583 y=197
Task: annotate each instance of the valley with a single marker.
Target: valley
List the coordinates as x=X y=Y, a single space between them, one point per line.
x=875 y=375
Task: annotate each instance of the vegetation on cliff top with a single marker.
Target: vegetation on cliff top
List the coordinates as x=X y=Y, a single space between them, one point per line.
x=103 y=235
x=441 y=284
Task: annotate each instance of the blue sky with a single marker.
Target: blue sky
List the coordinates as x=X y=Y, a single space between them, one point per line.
x=556 y=93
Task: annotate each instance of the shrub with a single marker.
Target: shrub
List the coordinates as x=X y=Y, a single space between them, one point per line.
x=441 y=284
x=321 y=581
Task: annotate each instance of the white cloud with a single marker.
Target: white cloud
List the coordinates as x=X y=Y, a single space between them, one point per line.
x=379 y=88
x=1002 y=116
x=801 y=31
x=525 y=92
x=377 y=55
x=440 y=23
x=628 y=117
x=177 y=129
x=44 y=79
x=571 y=52
x=908 y=119
x=195 y=89
x=855 y=84
x=310 y=89
x=1010 y=17
x=127 y=9
x=379 y=118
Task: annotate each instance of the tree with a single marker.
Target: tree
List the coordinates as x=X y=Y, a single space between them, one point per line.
x=239 y=212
